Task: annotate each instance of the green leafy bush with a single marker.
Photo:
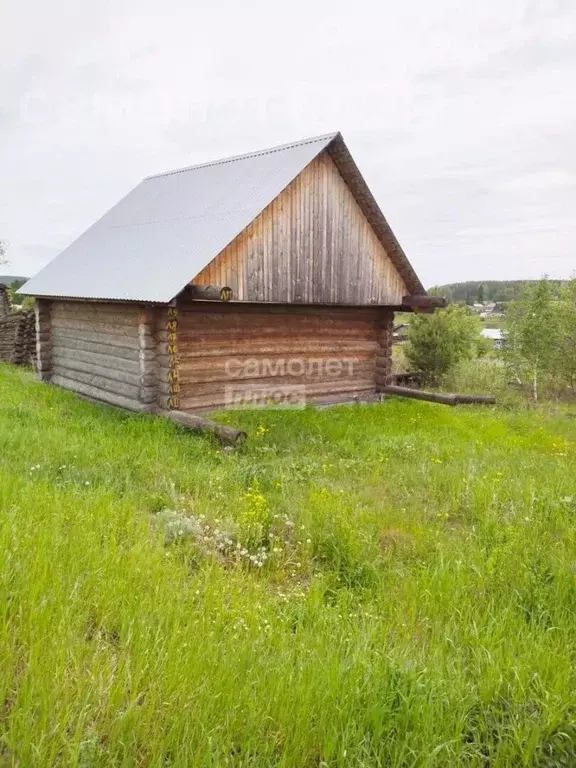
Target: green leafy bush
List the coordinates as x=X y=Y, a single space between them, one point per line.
x=437 y=342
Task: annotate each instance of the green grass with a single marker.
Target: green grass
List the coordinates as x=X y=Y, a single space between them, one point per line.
x=386 y=585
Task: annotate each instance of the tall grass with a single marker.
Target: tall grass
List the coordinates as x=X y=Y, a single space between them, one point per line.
x=386 y=585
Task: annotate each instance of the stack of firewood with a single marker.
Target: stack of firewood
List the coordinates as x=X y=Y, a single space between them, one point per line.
x=24 y=349
x=4 y=301
x=17 y=333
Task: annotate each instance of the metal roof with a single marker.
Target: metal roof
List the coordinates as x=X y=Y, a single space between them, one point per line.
x=151 y=244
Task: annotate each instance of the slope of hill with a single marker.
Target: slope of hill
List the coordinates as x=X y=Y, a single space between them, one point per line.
x=356 y=587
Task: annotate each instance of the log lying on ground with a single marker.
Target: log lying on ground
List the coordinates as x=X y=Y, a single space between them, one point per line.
x=434 y=397
x=479 y=399
x=224 y=433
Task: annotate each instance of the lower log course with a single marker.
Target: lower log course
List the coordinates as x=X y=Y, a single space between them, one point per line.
x=61 y=360
x=101 y=396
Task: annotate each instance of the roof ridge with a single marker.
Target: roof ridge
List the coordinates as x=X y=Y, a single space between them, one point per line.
x=248 y=155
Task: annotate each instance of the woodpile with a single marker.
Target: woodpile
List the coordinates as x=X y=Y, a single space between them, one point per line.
x=4 y=301
x=24 y=350
x=17 y=333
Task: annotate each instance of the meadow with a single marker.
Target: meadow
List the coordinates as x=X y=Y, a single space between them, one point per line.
x=387 y=585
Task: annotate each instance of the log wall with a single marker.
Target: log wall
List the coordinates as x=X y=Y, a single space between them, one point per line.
x=103 y=351
x=199 y=356
x=252 y=355
x=311 y=245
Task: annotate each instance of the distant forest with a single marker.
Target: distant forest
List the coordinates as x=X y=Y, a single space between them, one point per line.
x=11 y=279
x=484 y=290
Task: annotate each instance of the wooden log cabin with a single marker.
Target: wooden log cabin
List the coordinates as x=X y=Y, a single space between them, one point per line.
x=268 y=277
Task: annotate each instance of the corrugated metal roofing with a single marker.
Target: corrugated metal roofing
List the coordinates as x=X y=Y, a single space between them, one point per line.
x=151 y=244
x=154 y=241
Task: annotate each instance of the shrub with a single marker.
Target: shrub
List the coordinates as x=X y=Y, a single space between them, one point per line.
x=437 y=342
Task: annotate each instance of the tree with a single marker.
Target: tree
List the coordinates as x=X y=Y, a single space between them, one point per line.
x=566 y=360
x=3 y=249
x=437 y=342
x=481 y=293
x=533 y=333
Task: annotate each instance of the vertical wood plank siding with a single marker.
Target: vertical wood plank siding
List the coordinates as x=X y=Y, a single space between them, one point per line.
x=105 y=352
x=224 y=350
x=311 y=245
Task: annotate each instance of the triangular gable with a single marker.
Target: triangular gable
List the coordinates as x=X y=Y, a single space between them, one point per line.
x=170 y=227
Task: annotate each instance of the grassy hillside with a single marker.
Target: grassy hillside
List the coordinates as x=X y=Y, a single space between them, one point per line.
x=390 y=585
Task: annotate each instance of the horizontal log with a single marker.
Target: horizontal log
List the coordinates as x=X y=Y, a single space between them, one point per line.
x=96 y=327
x=209 y=292
x=200 y=370
x=97 y=337
x=223 y=432
x=114 y=374
x=476 y=399
x=119 y=321
x=96 y=309
x=125 y=353
x=213 y=382
x=367 y=395
x=288 y=348
x=222 y=324
x=423 y=302
x=216 y=397
x=442 y=398
x=105 y=362
x=141 y=379
x=93 y=393
x=417 y=394
x=241 y=339
x=246 y=309
x=131 y=391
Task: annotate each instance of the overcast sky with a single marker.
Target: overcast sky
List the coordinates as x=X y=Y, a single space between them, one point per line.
x=461 y=115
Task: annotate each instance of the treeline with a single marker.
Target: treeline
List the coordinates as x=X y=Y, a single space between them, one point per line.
x=488 y=290
x=16 y=281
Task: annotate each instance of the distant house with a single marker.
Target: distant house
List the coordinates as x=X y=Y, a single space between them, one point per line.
x=496 y=335
x=253 y=277
x=400 y=333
